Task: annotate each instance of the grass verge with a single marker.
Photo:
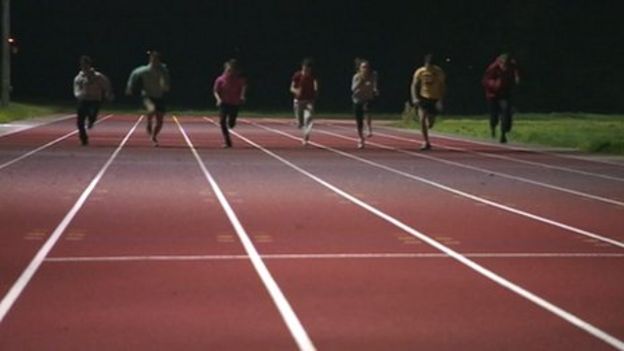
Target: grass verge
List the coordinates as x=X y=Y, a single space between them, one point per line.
x=586 y=132
x=18 y=110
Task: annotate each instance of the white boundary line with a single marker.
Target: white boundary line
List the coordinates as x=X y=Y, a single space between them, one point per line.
x=286 y=311
x=31 y=126
x=477 y=169
x=519 y=148
x=55 y=141
x=513 y=159
x=501 y=255
x=20 y=284
x=561 y=313
x=544 y=151
x=342 y=123
x=457 y=192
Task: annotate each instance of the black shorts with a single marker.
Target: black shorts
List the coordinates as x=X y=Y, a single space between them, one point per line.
x=159 y=104
x=228 y=110
x=89 y=108
x=361 y=108
x=428 y=106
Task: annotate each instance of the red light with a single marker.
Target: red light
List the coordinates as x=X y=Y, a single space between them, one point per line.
x=11 y=40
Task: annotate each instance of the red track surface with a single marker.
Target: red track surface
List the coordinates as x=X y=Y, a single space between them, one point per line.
x=150 y=259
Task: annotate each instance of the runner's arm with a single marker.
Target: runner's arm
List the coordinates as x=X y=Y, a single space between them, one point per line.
x=78 y=89
x=132 y=80
x=107 y=90
x=414 y=89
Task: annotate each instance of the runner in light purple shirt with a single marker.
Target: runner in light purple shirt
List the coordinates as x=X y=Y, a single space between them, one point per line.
x=229 y=91
x=364 y=88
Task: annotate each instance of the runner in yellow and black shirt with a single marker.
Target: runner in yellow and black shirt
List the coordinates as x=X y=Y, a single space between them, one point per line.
x=427 y=90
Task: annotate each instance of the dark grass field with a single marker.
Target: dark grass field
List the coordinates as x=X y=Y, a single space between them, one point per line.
x=587 y=132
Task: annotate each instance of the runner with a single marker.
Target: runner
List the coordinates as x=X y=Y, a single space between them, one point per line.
x=427 y=90
x=229 y=91
x=498 y=81
x=90 y=89
x=304 y=88
x=364 y=88
x=153 y=80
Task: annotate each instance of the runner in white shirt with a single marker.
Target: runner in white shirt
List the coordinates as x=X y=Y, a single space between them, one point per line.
x=90 y=89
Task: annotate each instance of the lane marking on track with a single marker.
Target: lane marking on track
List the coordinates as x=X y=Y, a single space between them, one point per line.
x=226 y=238
x=498 y=255
x=532 y=297
x=18 y=287
x=542 y=151
x=532 y=163
x=37 y=234
x=42 y=147
x=31 y=126
x=456 y=191
x=286 y=311
x=518 y=148
x=477 y=169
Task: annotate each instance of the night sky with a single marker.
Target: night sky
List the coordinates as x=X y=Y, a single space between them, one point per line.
x=570 y=52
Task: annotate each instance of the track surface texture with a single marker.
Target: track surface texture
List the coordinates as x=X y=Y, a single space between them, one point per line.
x=272 y=245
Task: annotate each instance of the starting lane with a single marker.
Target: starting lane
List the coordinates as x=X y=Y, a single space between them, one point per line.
x=431 y=170
x=550 y=204
x=15 y=127
x=582 y=186
x=27 y=141
x=595 y=170
x=345 y=302
x=341 y=303
x=151 y=201
x=39 y=190
x=474 y=228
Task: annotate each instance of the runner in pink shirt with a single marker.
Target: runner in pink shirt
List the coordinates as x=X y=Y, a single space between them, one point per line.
x=229 y=91
x=304 y=87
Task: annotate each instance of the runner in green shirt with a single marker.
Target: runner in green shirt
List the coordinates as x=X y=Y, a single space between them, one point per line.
x=153 y=81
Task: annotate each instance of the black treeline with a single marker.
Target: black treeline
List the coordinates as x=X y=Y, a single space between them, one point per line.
x=570 y=52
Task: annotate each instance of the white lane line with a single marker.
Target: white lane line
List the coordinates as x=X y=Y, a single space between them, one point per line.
x=42 y=147
x=544 y=151
x=286 y=311
x=31 y=126
x=343 y=124
x=313 y=256
x=517 y=160
x=558 y=311
x=18 y=287
x=457 y=192
x=478 y=169
x=518 y=148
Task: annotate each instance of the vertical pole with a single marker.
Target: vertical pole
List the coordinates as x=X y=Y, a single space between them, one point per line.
x=6 y=52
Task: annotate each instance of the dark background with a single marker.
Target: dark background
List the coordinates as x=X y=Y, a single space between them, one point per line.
x=570 y=52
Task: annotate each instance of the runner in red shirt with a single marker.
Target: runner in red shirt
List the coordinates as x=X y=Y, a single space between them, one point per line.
x=498 y=81
x=229 y=92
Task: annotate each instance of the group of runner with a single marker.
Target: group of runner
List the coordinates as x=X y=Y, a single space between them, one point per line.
x=427 y=91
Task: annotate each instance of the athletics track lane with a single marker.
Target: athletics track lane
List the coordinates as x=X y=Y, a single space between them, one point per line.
x=152 y=201
x=340 y=277
x=366 y=304
x=584 y=213
x=505 y=161
x=570 y=160
x=15 y=144
x=37 y=191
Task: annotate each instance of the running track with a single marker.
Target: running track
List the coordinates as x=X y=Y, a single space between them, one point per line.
x=273 y=246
